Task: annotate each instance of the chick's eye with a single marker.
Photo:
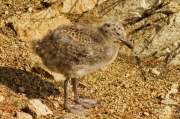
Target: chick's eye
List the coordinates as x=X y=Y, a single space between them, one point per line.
x=118 y=33
x=108 y=25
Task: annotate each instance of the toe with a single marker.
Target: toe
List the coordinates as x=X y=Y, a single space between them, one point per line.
x=76 y=109
x=88 y=103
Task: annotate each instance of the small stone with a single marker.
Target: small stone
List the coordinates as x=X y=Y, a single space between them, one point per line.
x=37 y=108
x=23 y=115
x=2 y=98
x=6 y=12
x=168 y=50
x=56 y=104
x=163 y=96
x=169 y=102
x=26 y=68
x=127 y=75
x=174 y=88
x=146 y=113
x=155 y=71
x=30 y=9
x=18 y=12
x=166 y=113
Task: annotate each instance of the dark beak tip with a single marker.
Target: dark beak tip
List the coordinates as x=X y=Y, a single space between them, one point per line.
x=128 y=44
x=131 y=47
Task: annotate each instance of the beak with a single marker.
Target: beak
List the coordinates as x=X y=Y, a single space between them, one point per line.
x=127 y=43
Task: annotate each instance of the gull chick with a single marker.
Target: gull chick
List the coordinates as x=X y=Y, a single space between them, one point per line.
x=75 y=50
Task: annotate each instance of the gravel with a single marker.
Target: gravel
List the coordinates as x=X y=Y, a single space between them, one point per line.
x=128 y=88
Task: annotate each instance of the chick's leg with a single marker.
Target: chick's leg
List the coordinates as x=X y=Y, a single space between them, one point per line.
x=87 y=103
x=75 y=109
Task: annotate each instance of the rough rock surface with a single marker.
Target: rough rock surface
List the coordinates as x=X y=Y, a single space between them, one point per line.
x=141 y=84
x=79 y=6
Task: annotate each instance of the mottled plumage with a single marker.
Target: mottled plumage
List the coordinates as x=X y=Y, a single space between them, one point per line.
x=75 y=50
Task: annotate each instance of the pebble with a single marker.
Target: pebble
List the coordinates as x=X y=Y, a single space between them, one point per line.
x=155 y=71
x=6 y=12
x=146 y=113
x=38 y=108
x=23 y=115
x=30 y=9
x=2 y=98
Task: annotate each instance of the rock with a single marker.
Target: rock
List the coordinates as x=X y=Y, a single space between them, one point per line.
x=171 y=7
x=166 y=113
x=37 y=108
x=31 y=26
x=169 y=102
x=22 y=115
x=174 y=58
x=174 y=89
x=159 y=34
x=160 y=37
x=128 y=11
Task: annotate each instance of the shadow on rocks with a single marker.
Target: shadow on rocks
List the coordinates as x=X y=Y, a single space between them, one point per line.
x=21 y=81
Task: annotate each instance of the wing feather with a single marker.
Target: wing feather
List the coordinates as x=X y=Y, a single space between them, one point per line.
x=83 y=36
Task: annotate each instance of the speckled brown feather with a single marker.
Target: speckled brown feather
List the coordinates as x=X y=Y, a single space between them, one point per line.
x=82 y=35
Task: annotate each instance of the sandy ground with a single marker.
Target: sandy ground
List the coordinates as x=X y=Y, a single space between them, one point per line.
x=128 y=88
